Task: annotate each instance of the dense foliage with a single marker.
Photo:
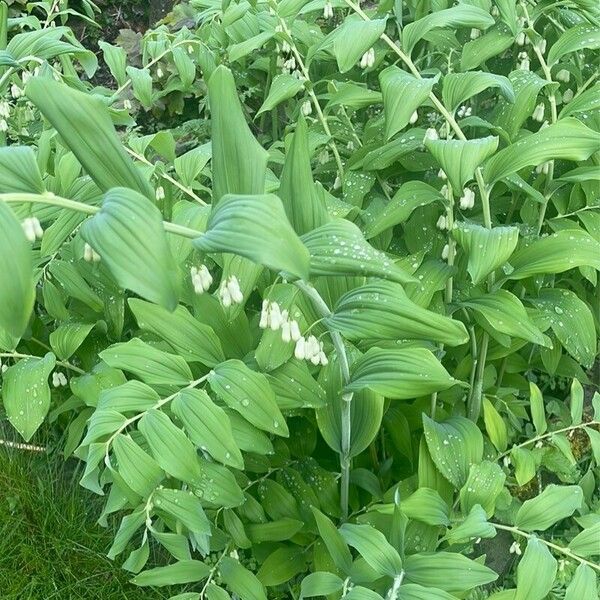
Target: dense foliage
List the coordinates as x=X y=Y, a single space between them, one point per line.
x=311 y=289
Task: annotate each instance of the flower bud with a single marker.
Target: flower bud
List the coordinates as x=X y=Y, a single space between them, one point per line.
x=300 y=349
x=414 y=118
x=567 y=96
x=445 y=252
x=442 y=223
x=431 y=134
x=538 y=113
x=563 y=75
x=306 y=108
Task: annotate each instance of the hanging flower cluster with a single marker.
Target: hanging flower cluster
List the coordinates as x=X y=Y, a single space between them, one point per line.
x=328 y=10
x=272 y=317
x=368 y=59
x=310 y=349
x=59 y=379
x=90 y=255
x=467 y=200
x=32 y=229
x=201 y=279
x=230 y=291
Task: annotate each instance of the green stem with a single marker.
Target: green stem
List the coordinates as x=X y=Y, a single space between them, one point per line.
x=338 y=343
x=61 y=363
x=556 y=547
x=52 y=200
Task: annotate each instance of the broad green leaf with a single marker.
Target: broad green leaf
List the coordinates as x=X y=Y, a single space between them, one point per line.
x=353 y=96
x=283 y=87
x=575 y=39
x=483 y=486
x=556 y=253
x=184 y=506
x=128 y=235
x=587 y=542
x=410 y=196
x=495 y=426
x=373 y=547
x=375 y=156
x=274 y=531
x=536 y=405
x=459 y=87
x=460 y=158
x=358 y=592
x=151 y=365
x=576 y=402
x=447 y=571
x=569 y=139
x=19 y=171
x=66 y=338
x=184 y=571
x=462 y=15
x=525 y=465
x=170 y=447
x=320 y=583
x=403 y=93
x=241 y=49
x=400 y=373
x=208 y=426
x=131 y=396
x=17 y=286
x=84 y=124
x=583 y=584
x=474 y=525
x=129 y=525
x=248 y=393
x=339 y=248
x=571 y=320
x=192 y=339
x=295 y=387
x=382 y=310
x=414 y=591
x=305 y=208
x=454 y=446
x=141 y=83
x=505 y=313
x=185 y=66
x=26 y=394
x=487 y=249
x=139 y=471
x=366 y=412
x=257 y=228
x=536 y=571
x=67 y=276
x=116 y=59
x=495 y=41
x=353 y=38
x=555 y=503
x=585 y=102
x=240 y=581
x=427 y=506
x=239 y=163
x=333 y=540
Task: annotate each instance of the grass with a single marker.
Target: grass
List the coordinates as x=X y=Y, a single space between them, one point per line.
x=50 y=545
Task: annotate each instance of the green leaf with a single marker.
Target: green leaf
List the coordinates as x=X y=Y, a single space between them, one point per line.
x=575 y=39
x=556 y=253
x=17 y=286
x=281 y=565
x=139 y=471
x=304 y=207
x=84 y=124
x=536 y=571
x=353 y=96
x=131 y=396
x=116 y=59
x=170 y=447
x=151 y=365
x=460 y=158
x=237 y=51
x=26 y=394
x=241 y=581
x=487 y=249
x=576 y=402
x=447 y=571
x=190 y=338
x=552 y=505
x=19 y=171
x=274 y=531
x=459 y=87
x=583 y=584
x=295 y=387
x=410 y=196
x=339 y=248
x=475 y=525
x=495 y=426
x=382 y=310
x=585 y=102
x=403 y=93
x=400 y=373
x=320 y=583
x=587 y=542
x=257 y=228
x=525 y=465
x=427 y=506
x=283 y=87
x=207 y=426
x=333 y=540
x=493 y=43
x=483 y=486
x=536 y=405
x=414 y=591
x=183 y=506
x=141 y=83
x=505 y=313
x=353 y=38
x=66 y=338
x=129 y=236
x=184 y=571
x=248 y=393
x=463 y=15
x=373 y=547
x=569 y=139
x=454 y=446
x=239 y=163
x=571 y=320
